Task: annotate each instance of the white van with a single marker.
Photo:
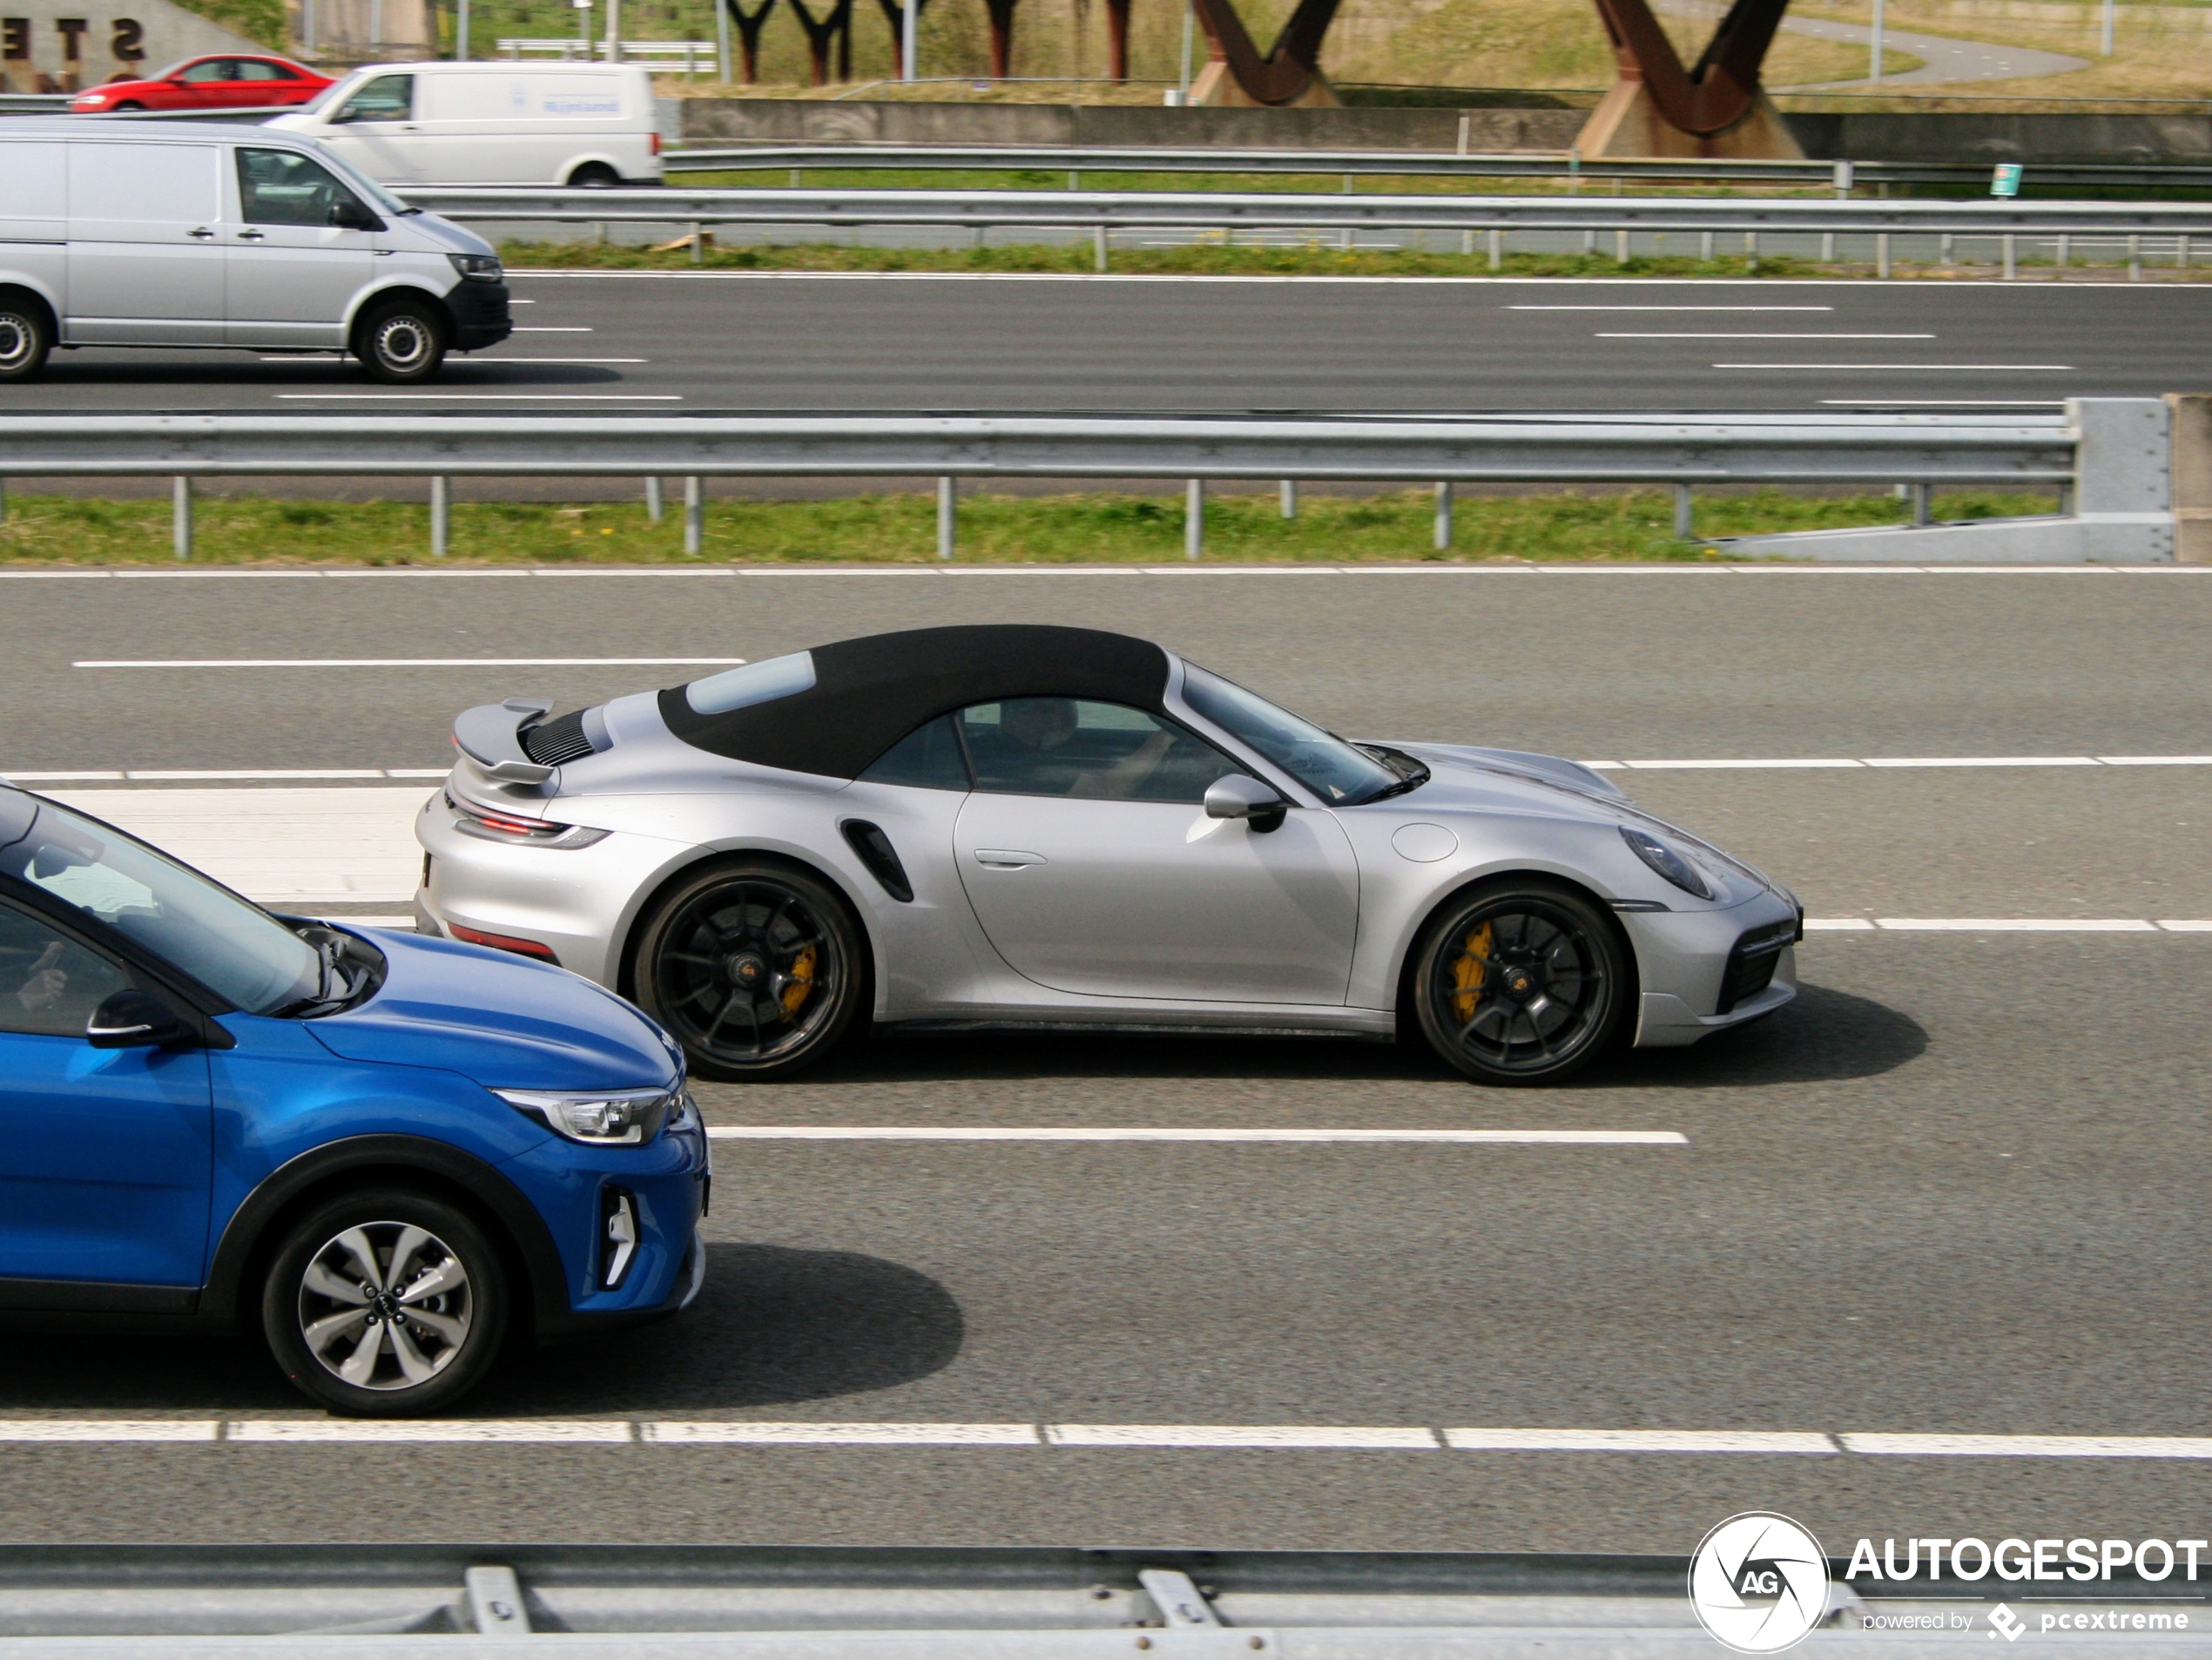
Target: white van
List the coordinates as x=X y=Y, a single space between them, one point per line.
x=489 y=123
x=189 y=234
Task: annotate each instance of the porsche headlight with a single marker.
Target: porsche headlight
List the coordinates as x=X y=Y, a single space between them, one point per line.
x=1668 y=863
x=599 y=1117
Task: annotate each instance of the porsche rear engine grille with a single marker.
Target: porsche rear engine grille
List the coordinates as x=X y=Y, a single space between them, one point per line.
x=1750 y=965
x=551 y=742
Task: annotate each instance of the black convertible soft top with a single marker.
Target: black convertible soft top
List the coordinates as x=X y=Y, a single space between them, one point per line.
x=868 y=693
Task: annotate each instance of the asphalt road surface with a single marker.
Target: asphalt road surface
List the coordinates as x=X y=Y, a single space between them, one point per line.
x=672 y=343
x=1953 y=1190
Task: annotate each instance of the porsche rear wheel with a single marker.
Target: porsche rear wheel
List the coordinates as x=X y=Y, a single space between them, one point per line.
x=754 y=969
x=1523 y=982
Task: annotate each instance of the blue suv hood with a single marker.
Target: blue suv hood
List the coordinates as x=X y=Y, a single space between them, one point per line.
x=502 y=1020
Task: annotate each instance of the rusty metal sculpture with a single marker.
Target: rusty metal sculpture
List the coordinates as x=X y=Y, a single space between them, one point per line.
x=1289 y=75
x=750 y=24
x=1658 y=107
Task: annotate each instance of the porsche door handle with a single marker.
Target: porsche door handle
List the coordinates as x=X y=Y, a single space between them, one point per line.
x=1007 y=859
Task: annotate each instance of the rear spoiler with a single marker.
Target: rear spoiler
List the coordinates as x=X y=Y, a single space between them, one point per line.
x=491 y=735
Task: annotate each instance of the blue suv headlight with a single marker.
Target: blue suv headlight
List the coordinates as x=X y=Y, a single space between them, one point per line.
x=599 y=1117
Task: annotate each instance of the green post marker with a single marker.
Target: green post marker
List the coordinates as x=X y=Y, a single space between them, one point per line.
x=2006 y=180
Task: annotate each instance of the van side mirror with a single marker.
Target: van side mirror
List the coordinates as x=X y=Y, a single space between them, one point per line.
x=352 y=216
x=1237 y=796
x=134 y=1019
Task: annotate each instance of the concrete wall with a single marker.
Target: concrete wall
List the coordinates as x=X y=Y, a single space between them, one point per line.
x=110 y=37
x=2029 y=139
x=811 y=121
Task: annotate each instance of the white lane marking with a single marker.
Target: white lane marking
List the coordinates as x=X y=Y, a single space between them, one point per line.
x=1639 y=1440
x=1759 y=336
x=1838 y=924
x=741 y=1432
x=1668 y=308
x=401 y=662
x=1721 y=765
x=175 y=777
x=575 y=360
x=485 y=397
x=2016 y=925
x=1979 y=760
x=550 y=329
x=431 y=1429
x=14 y=777
x=1288 y=1435
x=2154 y=760
x=2030 y=1446
x=110 y=1429
x=1916 y=368
x=1799 y=764
x=2186 y=924
x=246 y=775
x=402 y=923
x=1946 y=403
x=1455 y=1137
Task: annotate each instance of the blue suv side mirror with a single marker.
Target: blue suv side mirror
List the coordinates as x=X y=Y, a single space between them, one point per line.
x=135 y=1019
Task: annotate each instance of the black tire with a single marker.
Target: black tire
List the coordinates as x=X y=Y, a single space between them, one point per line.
x=26 y=335
x=755 y=969
x=595 y=175
x=401 y=342
x=1521 y=982
x=432 y=1348
x=129 y=106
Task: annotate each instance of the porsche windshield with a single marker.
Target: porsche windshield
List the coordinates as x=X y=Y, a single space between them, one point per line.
x=235 y=949
x=1332 y=769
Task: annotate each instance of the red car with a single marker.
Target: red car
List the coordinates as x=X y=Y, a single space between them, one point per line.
x=207 y=83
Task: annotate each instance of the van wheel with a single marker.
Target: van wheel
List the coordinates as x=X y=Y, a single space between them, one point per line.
x=26 y=335
x=385 y=1302
x=594 y=175
x=129 y=106
x=402 y=343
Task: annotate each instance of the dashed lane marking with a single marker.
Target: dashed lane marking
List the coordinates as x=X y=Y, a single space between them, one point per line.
x=630 y=1432
x=1117 y=1133
x=402 y=661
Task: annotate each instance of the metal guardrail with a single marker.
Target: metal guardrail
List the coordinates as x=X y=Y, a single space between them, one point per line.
x=1107 y=210
x=1682 y=451
x=1416 y=163
x=34 y=103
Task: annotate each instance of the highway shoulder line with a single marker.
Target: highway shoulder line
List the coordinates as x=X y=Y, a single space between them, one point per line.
x=1422 y=567
x=305 y=1431
x=1133 y=1133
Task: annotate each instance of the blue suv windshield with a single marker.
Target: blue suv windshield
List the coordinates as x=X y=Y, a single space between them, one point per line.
x=235 y=949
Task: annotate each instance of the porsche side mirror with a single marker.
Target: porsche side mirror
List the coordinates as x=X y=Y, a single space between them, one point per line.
x=135 y=1019
x=1237 y=796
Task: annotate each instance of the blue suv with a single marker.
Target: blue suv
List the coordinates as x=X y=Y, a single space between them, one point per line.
x=393 y=1154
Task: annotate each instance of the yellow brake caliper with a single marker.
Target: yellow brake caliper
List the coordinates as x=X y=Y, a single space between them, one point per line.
x=1468 y=972
x=798 y=985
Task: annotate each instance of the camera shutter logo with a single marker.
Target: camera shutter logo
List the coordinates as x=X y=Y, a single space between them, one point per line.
x=1759 y=1582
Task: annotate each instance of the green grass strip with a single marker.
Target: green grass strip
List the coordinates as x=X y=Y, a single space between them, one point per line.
x=1092 y=528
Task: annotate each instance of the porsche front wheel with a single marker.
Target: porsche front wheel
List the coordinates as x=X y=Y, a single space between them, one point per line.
x=1524 y=983
x=754 y=969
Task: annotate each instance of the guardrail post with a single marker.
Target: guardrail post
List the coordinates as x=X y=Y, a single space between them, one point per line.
x=699 y=243
x=1948 y=254
x=1685 y=526
x=945 y=521
x=1619 y=248
x=180 y=516
x=441 y=514
x=1882 y=255
x=694 y=515
x=1923 y=504
x=1098 y=245
x=2066 y=246
x=2011 y=261
x=1444 y=516
x=1194 y=519
x=3 y=501
x=1828 y=247
x=654 y=508
x=1289 y=498
x=1497 y=250
x=2134 y=259
x=1750 y=251
x=2182 y=251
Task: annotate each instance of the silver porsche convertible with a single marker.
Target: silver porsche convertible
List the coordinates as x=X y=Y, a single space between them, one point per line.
x=992 y=827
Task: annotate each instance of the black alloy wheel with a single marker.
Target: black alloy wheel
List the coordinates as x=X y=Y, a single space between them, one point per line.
x=26 y=335
x=1523 y=982
x=754 y=969
x=385 y=1302
x=402 y=343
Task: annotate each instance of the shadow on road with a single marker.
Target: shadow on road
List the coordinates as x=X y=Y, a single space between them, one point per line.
x=773 y=1327
x=1825 y=1036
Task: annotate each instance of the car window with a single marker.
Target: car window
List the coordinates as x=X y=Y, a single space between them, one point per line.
x=928 y=758
x=283 y=187
x=252 y=69
x=49 y=983
x=1332 y=769
x=388 y=97
x=235 y=949
x=1077 y=746
x=215 y=68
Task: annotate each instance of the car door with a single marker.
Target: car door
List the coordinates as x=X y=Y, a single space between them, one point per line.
x=212 y=84
x=291 y=270
x=1093 y=868
x=375 y=130
x=105 y=1155
x=145 y=256
x=261 y=84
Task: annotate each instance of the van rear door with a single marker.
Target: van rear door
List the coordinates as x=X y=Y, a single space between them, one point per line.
x=145 y=245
